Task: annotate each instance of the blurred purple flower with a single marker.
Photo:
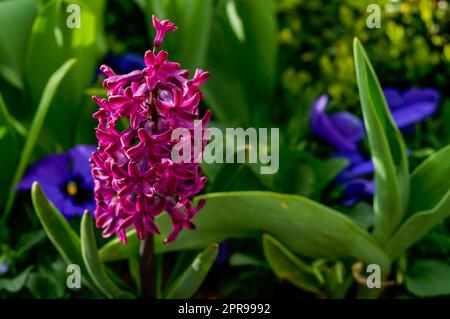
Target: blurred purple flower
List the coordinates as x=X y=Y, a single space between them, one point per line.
x=341 y=129
x=412 y=105
x=66 y=180
x=224 y=253
x=344 y=131
x=354 y=178
x=125 y=63
x=358 y=189
x=4 y=267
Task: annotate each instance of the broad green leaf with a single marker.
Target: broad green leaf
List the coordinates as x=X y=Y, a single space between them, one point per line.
x=16 y=20
x=114 y=250
x=387 y=148
x=304 y=226
x=38 y=121
x=430 y=202
x=52 y=42
x=417 y=226
x=429 y=278
x=430 y=181
x=93 y=263
x=62 y=236
x=191 y=279
x=288 y=267
x=16 y=283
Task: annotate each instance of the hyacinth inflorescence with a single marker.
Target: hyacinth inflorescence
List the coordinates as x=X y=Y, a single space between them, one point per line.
x=135 y=177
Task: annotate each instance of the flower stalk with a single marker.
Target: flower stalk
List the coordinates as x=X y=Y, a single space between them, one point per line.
x=148 y=282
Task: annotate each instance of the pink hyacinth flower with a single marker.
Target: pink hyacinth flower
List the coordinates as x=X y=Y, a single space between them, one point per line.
x=135 y=178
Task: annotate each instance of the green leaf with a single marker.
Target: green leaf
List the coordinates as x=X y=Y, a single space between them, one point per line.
x=430 y=202
x=329 y=169
x=98 y=8
x=8 y=145
x=288 y=267
x=93 y=263
x=242 y=58
x=49 y=282
x=191 y=279
x=241 y=260
x=7 y=119
x=302 y=173
x=430 y=181
x=51 y=43
x=27 y=241
x=114 y=250
x=417 y=226
x=260 y=31
x=16 y=283
x=16 y=20
x=3 y=132
x=35 y=129
x=387 y=148
x=362 y=214
x=62 y=236
x=134 y=266
x=189 y=44
x=304 y=226
x=429 y=278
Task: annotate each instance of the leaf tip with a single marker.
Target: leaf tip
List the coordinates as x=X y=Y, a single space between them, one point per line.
x=35 y=186
x=36 y=191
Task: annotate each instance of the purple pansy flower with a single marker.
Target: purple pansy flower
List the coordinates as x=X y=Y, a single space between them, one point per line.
x=341 y=129
x=411 y=106
x=344 y=131
x=358 y=189
x=354 y=178
x=66 y=180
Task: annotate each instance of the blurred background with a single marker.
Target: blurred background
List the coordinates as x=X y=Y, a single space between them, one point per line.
x=269 y=62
